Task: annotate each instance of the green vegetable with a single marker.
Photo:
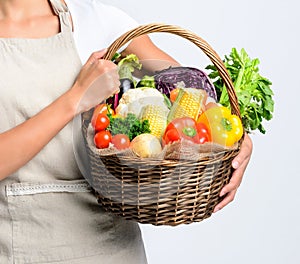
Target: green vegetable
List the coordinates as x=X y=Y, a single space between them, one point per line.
x=167 y=101
x=129 y=126
x=253 y=91
x=127 y=66
x=116 y=57
x=146 y=81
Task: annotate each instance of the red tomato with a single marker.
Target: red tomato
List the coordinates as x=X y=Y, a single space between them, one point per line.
x=102 y=139
x=101 y=123
x=203 y=133
x=120 y=141
x=100 y=109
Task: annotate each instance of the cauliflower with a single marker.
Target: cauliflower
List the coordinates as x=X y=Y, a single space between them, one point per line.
x=134 y=100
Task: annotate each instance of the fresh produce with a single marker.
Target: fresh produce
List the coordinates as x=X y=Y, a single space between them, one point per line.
x=171 y=135
x=210 y=105
x=129 y=125
x=146 y=146
x=146 y=81
x=168 y=79
x=120 y=141
x=203 y=133
x=189 y=103
x=225 y=128
x=179 y=104
x=186 y=128
x=135 y=99
x=253 y=91
x=101 y=122
x=102 y=139
x=173 y=95
x=100 y=109
x=126 y=67
x=157 y=118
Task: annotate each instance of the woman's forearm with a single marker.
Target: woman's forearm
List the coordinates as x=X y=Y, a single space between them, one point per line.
x=21 y=143
x=152 y=58
x=96 y=81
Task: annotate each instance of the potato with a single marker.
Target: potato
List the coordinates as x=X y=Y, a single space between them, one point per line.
x=146 y=146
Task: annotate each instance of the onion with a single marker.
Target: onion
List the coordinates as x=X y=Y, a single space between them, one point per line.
x=146 y=146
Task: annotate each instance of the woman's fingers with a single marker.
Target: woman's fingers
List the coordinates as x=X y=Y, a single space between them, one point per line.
x=229 y=190
x=227 y=199
x=244 y=154
x=95 y=56
x=97 y=80
x=240 y=164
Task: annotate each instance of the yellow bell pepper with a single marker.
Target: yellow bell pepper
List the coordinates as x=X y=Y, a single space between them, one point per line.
x=225 y=128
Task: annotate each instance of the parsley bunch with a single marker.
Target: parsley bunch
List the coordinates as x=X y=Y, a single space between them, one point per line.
x=253 y=91
x=130 y=125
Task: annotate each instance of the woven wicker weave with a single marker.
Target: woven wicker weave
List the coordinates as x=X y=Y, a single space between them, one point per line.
x=161 y=191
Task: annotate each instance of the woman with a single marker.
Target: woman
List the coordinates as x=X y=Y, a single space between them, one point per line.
x=47 y=212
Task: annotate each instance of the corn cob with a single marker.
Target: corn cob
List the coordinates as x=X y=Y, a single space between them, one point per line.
x=157 y=117
x=189 y=103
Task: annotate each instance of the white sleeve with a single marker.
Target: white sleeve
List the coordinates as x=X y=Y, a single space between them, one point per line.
x=116 y=20
x=97 y=25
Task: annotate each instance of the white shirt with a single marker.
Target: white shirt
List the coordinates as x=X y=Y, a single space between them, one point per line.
x=97 y=25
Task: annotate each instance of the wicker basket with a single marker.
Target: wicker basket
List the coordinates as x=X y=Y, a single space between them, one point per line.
x=161 y=191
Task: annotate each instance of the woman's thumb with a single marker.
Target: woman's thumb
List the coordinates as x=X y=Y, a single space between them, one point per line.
x=101 y=53
x=97 y=55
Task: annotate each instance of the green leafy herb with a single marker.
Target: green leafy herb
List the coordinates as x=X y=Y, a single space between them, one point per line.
x=129 y=126
x=253 y=91
x=127 y=66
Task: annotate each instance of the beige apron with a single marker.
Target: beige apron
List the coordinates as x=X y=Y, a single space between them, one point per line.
x=47 y=211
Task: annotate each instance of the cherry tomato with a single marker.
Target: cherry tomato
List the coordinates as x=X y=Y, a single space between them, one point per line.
x=100 y=109
x=173 y=94
x=102 y=122
x=102 y=139
x=120 y=141
x=203 y=133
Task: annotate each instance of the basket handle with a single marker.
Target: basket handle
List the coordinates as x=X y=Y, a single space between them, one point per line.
x=202 y=44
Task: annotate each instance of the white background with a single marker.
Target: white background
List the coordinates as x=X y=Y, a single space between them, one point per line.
x=263 y=224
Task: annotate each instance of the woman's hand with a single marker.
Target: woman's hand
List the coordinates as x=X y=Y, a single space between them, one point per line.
x=239 y=163
x=97 y=80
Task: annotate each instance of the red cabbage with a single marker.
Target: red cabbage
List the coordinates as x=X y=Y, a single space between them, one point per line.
x=166 y=80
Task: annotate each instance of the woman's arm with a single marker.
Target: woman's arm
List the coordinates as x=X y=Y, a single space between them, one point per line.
x=151 y=57
x=20 y=144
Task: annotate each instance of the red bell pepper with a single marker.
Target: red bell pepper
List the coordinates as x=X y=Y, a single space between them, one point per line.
x=186 y=128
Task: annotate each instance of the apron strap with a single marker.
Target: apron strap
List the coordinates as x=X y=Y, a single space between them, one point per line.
x=64 y=15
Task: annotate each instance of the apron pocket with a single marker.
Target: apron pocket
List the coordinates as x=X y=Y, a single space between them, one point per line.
x=57 y=221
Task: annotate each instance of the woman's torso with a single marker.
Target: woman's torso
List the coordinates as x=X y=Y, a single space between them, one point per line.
x=47 y=210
